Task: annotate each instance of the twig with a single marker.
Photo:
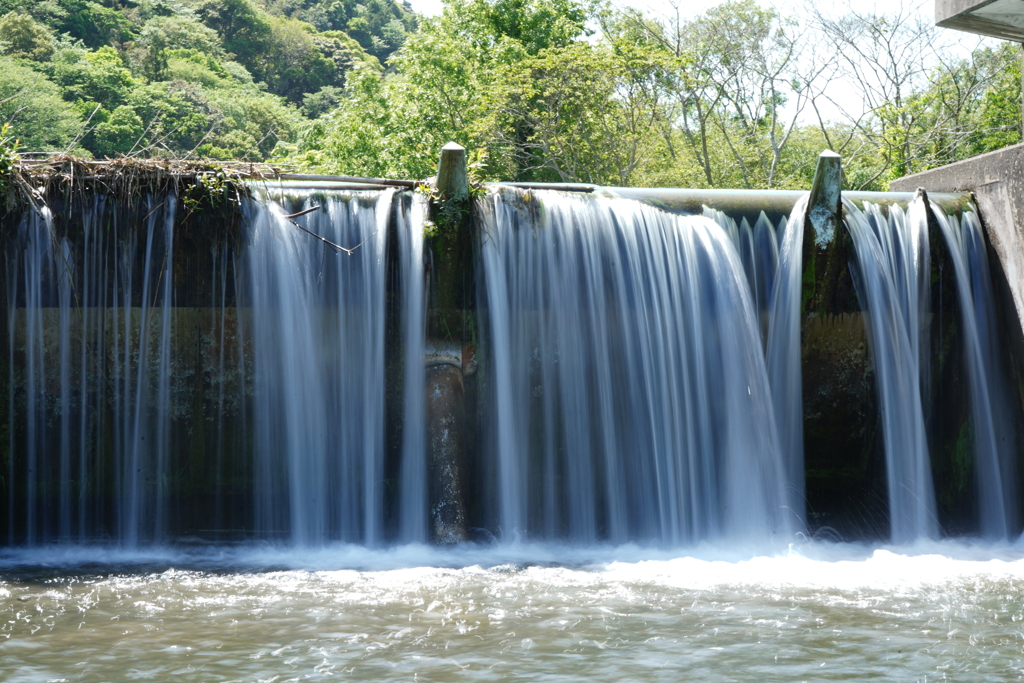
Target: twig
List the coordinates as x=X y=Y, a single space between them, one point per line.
x=304 y=212
x=332 y=245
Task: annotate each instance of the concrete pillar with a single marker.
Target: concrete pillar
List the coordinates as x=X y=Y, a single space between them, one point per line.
x=452 y=172
x=446 y=449
x=824 y=208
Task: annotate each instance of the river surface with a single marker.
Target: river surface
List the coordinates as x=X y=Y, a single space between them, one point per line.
x=942 y=611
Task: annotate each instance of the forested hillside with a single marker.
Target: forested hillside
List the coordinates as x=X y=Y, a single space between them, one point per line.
x=541 y=90
x=225 y=79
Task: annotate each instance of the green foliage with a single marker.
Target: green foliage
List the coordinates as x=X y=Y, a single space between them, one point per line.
x=319 y=103
x=176 y=115
x=210 y=190
x=380 y=27
x=23 y=36
x=531 y=25
x=705 y=101
x=293 y=63
x=585 y=114
x=94 y=24
x=184 y=77
x=261 y=119
x=49 y=12
x=8 y=160
x=93 y=76
x=33 y=106
x=192 y=66
x=999 y=115
x=244 y=30
x=120 y=133
x=180 y=31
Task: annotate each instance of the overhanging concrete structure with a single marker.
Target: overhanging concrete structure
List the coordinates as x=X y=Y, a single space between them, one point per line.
x=997 y=18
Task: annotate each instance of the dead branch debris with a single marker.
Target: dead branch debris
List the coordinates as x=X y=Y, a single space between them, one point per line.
x=125 y=178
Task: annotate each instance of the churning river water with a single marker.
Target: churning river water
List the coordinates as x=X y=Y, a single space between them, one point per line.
x=941 y=611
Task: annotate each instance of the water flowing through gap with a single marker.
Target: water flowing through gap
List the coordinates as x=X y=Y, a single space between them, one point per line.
x=134 y=388
x=414 y=476
x=93 y=322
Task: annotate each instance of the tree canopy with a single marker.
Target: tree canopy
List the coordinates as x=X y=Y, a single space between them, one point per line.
x=740 y=95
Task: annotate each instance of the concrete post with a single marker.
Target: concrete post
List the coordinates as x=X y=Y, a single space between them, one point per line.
x=824 y=208
x=452 y=172
x=449 y=300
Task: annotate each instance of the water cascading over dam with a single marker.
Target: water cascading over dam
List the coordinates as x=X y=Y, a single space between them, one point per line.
x=623 y=373
x=632 y=399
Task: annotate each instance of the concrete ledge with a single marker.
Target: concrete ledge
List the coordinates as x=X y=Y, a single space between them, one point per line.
x=998 y=18
x=997 y=181
x=948 y=9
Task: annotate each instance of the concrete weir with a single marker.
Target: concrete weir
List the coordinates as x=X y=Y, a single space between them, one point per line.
x=488 y=361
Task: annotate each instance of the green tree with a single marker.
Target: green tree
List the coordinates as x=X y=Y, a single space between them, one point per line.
x=453 y=80
x=244 y=30
x=293 y=63
x=49 y=12
x=33 y=106
x=94 y=24
x=23 y=36
x=360 y=137
x=98 y=76
x=998 y=115
x=534 y=24
x=180 y=32
x=324 y=100
x=121 y=133
x=176 y=115
x=584 y=114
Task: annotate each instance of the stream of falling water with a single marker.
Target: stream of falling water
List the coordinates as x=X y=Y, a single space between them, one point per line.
x=893 y=277
x=631 y=399
x=318 y=339
x=993 y=450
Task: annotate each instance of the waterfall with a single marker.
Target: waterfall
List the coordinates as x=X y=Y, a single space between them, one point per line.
x=94 y=324
x=893 y=278
x=774 y=275
x=783 y=356
x=758 y=248
x=317 y=335
x=631 y=399
x=414 y=475
x=638 y=374
x=994 y=465
x=115 y=368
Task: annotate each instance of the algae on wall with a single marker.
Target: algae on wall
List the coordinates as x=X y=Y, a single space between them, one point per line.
x=86 y=346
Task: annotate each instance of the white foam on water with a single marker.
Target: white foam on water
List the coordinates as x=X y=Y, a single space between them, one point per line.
x=810 y=565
